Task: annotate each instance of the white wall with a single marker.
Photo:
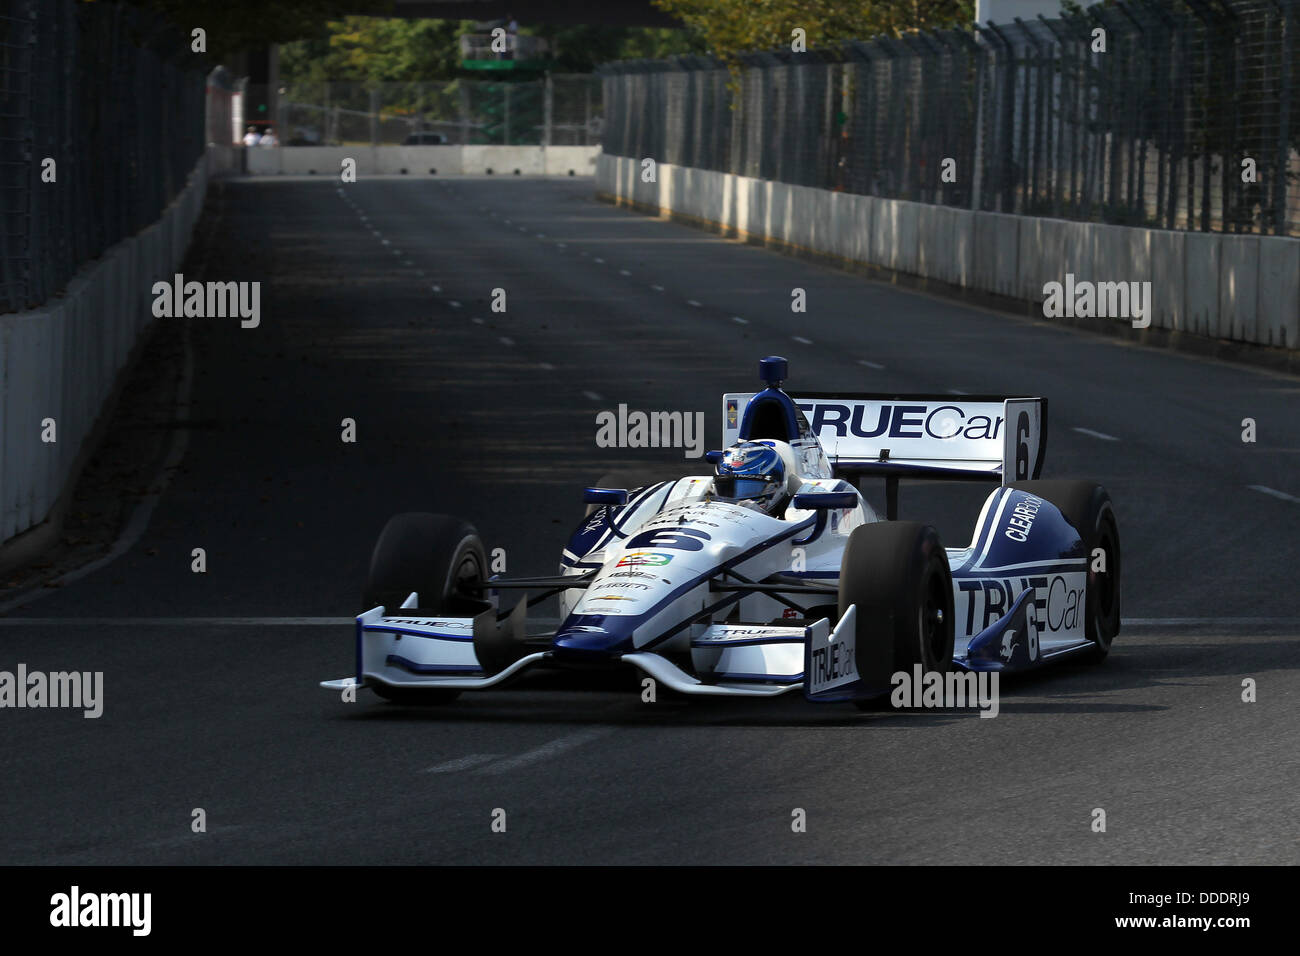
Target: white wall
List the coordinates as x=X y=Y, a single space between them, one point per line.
x=61 y=360
x=423 y=160
x=1240 y=288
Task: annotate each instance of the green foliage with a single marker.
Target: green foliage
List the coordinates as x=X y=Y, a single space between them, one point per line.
x=376 y=50
x=728 y=28
x=233 y=26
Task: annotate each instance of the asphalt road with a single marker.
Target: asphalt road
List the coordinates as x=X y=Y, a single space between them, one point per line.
x=375 y=307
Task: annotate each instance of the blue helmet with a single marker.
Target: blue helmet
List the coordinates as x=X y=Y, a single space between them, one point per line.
x=751 y=471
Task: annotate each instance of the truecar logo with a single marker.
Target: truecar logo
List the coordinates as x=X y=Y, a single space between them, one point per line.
x=1103 y=300
x=208 y=300
x=638 y=429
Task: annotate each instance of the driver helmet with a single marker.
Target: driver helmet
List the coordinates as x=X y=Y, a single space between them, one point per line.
x=753 y=473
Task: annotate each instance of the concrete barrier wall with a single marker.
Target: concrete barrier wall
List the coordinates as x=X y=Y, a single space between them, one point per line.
x=61 y=361
x=1240 y=288
x=423 y=160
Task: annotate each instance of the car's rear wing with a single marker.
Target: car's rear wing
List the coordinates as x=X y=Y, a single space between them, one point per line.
x=973 y=437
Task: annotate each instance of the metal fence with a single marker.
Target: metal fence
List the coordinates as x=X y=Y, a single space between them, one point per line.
x=1177 y=114
x=559 y=110
x=101 y=119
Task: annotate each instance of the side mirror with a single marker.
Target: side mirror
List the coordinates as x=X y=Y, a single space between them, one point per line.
x=713 y=457
x=825 y=501
x=604 y=496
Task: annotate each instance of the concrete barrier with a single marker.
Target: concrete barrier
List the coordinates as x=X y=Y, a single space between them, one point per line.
x=1239 y=288
x=1243 y=288
x=1279 y=291
x=59 y=363
x=420 y=160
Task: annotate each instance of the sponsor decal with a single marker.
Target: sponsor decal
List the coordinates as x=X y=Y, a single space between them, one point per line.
x=449 y=625
x=613 y=597
x=872 y=420
x=1022 y=518
x=1058 y=603
x=634 y=574
x=627 y=584
x=650 y=559
x=790 y=613
x=733 y=409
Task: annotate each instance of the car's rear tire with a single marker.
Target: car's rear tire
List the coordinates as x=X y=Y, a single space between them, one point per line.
x=1088 y=507
x=897 y=574
x=437 y=556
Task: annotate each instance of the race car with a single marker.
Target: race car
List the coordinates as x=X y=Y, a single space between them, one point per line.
x=773 y=573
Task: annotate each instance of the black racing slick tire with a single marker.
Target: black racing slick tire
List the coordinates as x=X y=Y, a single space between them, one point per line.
x=897 y=574
x=1088 y=507
x=438 y=557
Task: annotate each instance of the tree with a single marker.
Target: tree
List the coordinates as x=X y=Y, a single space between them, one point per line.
x=729 y=28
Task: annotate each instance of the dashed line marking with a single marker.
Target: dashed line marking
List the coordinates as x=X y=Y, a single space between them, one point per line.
x=505 y=340
x=547 y=366
x=1273 y=492
x=1102 y=435
x=657 y=288
x=801 y=340
x=875 y=365
x=453 y=303
x=593 y=396
x=739 y=321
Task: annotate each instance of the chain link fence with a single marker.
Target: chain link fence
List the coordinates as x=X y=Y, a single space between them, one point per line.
x=559 y=110
x=1175 y=114
x=101 y=120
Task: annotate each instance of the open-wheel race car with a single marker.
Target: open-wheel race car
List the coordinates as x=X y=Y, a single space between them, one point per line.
x=773 y=573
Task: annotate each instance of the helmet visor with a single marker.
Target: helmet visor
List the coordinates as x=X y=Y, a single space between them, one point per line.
x=734 y=488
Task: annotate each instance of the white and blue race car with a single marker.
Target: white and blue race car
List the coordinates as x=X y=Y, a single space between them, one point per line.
x=773 y=574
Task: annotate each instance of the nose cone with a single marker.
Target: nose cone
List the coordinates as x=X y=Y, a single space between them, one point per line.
x=592 y=638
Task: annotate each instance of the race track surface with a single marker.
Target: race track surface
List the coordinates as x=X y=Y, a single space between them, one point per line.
x=376 y=307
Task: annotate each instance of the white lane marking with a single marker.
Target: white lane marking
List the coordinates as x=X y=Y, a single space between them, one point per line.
x=1264 y=489
x=407 y=262
x=436 y=288
x=1213 y=621
x=476 y=320
x=507 y=222
x=875 y=365
x=541 y=235
x=562 y=245
x=957 y=391
x=593 y=396
x=600 y=260
x=453 y=303
x=467 y=762
x=737 y=319
x=657 y=288
x=505 y=340
x=547 y=366
x=548 y=750
x=1102 y=435
x=397 y=252
x=624 y=272
x=801 y=340
x=385 y=241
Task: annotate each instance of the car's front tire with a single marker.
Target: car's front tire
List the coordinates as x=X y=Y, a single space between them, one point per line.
x=439 y=557
x=897 y=574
